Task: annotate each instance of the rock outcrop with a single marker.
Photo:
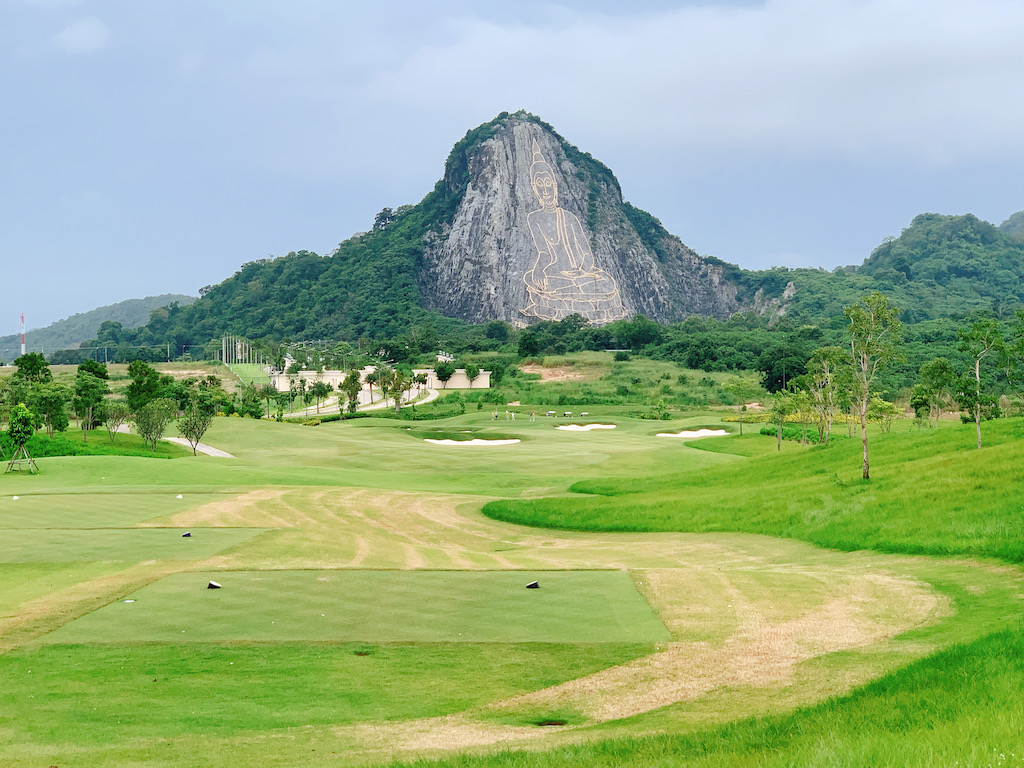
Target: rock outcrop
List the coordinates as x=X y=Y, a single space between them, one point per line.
x=541 y=232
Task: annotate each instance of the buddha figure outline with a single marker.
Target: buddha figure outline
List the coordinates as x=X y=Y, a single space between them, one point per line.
x=564 y=279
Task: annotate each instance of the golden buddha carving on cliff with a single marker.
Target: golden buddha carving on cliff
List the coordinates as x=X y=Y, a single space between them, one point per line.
x=564 y=279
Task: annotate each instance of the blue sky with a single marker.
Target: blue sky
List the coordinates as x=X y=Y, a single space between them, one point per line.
x=154 y=147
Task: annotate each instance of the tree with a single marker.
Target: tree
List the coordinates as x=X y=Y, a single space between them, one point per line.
x=152 y=419
x=823 y=377
x=249 y=404
x=371 y=378
x=196 y=419
x=320 y=390
x=782 y=407
x=1012 y=358
x=49 y=401
x=444 y=372
x=401 y=380
x=803 y=407
x=472 y=372
x=86 y=395
x=883 y=413
x=20 y=430
x=529 y=344
x=6 y=402
x=33 y=367
x=146 y=385
x=115 y=413
x=875 y=334
x=268 y=392
x=298 y=389
x=385 y=377
x=979 y=341
x=936 y=384
x=95 y=367
x=352 y=386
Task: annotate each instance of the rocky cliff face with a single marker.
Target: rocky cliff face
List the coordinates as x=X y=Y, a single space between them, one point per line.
x=541 y=232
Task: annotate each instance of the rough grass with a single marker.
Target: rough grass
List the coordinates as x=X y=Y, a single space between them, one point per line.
x=961 y=707
x=931 y=492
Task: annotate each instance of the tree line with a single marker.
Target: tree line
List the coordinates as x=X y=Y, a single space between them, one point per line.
x=31 y=400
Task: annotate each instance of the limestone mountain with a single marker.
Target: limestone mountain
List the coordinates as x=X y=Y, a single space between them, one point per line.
x=523 y=227
x=541 y=231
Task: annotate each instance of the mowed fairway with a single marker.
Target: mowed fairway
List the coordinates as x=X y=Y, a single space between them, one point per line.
x=370 y=611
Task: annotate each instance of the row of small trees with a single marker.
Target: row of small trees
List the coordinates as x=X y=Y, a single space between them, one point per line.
x=841 y=379
x=30 y=400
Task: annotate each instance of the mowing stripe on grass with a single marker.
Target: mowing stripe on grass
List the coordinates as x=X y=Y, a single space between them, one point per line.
x=77 y=545
x=376 y=606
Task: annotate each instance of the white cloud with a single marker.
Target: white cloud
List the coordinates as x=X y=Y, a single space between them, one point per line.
x=83 y=36
x=935 y=80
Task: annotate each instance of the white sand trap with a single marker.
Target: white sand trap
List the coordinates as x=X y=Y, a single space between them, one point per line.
x=474 y=441
x=584 y=427
x=695 y=433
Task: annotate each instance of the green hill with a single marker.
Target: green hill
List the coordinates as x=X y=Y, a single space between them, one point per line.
x=84 y=326
x=1014 y=226
x=939 y=266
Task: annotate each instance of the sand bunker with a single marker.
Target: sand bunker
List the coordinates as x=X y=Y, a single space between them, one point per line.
x=584 y=427
x=475 y=441
x=695 y=433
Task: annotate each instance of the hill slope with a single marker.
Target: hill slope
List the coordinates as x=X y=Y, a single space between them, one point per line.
x=73 y=330
x=939 y=266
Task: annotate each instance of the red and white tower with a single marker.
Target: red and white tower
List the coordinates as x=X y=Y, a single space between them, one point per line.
x=22 y=333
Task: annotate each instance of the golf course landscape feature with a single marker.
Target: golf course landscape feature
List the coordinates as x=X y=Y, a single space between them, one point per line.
x=578 y=598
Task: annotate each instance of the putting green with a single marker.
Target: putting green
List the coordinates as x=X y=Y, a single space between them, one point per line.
x=376 y=606
x=117 y=544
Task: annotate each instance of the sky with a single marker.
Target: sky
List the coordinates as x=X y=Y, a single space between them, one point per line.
x=154 y=147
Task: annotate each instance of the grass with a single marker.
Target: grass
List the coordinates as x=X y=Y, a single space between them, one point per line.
x=961 y=707
x=342 y=501
x=75 y=545
x=73 y=442
x=375 y=607
x=157 y=692
x=924 y=497
x=595 y=378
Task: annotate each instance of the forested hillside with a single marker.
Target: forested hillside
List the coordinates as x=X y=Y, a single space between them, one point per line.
x=84 y=326
x=1014 y=226
x=940 y=266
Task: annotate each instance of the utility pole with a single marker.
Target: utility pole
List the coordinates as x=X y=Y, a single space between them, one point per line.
x=23 y=333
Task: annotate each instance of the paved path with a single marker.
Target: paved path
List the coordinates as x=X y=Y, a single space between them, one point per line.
x=209 y=450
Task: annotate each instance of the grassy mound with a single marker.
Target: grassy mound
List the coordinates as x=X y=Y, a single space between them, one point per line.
x=931 y=492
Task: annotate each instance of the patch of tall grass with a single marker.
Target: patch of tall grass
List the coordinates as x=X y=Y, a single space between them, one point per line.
x=931 y=492
x=961 y=707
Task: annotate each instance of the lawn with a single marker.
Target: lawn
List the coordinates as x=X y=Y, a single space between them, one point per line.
x=375 y=607
x=687 y=612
